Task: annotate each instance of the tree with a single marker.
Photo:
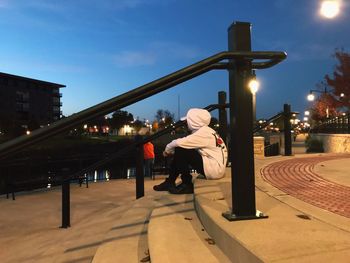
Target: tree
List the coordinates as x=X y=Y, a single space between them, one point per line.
x=137 y=125
x=120 y=118
x=335 y=89
x=322 y=107
x=339 y=83
x=164 y=118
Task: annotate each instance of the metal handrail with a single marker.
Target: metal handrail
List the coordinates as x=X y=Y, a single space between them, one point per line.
x=259 y=127
x=339 y=124
x=264 y=125
x=141 y=93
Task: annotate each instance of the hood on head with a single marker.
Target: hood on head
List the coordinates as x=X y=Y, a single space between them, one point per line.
x=197 y=118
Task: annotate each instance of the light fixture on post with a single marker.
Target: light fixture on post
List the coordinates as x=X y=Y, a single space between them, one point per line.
x=254 y=87
x=311 y=97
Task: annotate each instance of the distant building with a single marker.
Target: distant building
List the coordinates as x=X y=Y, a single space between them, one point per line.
x=27 y=103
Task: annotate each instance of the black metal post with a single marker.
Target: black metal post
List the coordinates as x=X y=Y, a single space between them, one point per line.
x=65 y=198
x=241 y=127
x=287 y=130
x=140 y=187
x=254 y=108
x=222 y=116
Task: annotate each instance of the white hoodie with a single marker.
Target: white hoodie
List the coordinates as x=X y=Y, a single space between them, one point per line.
x=208 y=143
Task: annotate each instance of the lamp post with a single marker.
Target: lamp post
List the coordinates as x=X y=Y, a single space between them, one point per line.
x=254 y=87
x=311 y=97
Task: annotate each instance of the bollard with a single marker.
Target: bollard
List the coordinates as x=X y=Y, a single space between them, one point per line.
x=65 y=198
x=287 y=130
x=140 y=187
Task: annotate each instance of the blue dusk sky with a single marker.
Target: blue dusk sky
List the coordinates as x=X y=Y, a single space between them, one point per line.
x=102 y=48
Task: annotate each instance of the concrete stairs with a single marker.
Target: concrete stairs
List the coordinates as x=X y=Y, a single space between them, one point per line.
x=159 y=228
x=165 y=228
x=175 y=233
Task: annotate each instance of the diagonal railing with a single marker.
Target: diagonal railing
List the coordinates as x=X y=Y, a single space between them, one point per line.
x=138 y=94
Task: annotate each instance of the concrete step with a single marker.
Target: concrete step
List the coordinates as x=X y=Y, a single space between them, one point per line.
x=175 y=233
x=127 y=238
x=294 y=232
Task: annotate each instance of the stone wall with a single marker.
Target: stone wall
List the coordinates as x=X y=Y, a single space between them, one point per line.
x=334 y=143
x=259 y=146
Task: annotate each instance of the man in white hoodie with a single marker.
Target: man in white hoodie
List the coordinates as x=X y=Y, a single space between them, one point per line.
x=203 y=150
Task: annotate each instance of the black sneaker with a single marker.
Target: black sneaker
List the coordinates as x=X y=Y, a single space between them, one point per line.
x=164 y=186
x=181 y=189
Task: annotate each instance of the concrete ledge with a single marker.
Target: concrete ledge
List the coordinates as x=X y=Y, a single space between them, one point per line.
x=288 y=235
x=176 y=235
x=211 y=202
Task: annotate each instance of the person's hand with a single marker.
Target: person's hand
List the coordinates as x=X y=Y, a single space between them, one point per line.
x=166 y=154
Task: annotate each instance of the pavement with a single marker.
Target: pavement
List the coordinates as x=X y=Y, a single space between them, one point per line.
x=306 y=196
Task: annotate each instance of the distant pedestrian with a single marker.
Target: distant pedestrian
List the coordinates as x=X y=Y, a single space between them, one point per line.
x=148 y=156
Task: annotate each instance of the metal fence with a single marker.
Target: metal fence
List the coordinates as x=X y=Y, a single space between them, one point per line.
x=337 y=125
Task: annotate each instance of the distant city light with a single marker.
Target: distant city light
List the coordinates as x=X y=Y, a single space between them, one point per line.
x=342 y=95
x=306 y=118
x=330 y=8
x=28 y=132
x=306 y=113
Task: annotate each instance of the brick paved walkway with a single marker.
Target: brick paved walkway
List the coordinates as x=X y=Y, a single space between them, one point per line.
x=297 y=178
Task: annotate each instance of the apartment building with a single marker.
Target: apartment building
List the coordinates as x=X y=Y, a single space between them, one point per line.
x=28 y=103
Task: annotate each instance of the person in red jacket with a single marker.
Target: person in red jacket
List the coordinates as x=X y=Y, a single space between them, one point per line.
x=148 y=156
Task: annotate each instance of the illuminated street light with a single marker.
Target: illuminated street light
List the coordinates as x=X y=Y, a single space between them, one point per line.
x=311 y=97
x=330 y=8
x=306 y=113
x=253 y=84
x=254 y=87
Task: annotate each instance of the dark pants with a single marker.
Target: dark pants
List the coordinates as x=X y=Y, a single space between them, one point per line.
x=184 y=161
x=148 y=167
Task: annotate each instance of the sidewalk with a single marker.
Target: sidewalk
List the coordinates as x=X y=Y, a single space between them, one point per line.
x=309 y=216
x=29 y=226
x=306 y=197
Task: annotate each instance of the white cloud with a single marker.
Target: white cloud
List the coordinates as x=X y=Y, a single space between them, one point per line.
x=174 y=50
x=134 y=58
x=155 y=51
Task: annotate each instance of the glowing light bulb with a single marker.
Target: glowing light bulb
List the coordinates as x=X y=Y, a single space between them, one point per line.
x=254 y=85
x=311 y=97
